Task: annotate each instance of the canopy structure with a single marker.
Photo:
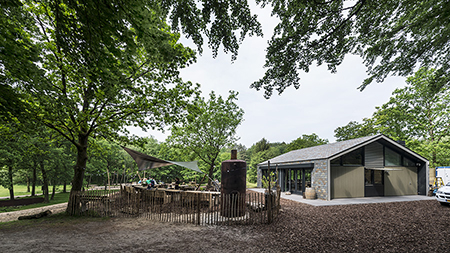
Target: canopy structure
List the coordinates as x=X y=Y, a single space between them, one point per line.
x=149 y=162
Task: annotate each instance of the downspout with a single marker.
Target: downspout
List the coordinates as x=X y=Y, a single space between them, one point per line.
x=328 y=180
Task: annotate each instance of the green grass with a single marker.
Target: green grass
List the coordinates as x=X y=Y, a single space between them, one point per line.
x=22 y=190
x=59 y=198
x=251 y=185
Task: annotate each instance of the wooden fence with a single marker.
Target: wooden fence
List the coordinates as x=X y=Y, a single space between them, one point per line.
x=201 y=208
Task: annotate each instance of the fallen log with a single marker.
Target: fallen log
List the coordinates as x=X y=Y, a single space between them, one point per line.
x=35 y=216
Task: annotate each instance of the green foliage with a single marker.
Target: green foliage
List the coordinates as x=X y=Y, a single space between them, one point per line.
x=261 y=145
x=208 y=130
x=266 y=179
x=276 y=149
x=218 y=20
x=392 y=37
x=306 y=141
x=355 y=130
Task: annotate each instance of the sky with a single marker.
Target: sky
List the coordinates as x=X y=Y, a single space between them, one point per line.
x=323 y=102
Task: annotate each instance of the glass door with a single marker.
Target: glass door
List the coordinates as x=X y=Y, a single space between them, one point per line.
x=373 y=183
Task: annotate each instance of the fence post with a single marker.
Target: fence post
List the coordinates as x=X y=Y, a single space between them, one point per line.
x=269 y=192
x=198 y=208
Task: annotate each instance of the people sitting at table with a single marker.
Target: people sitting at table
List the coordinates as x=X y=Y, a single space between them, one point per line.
x=150 y=183
x=177 y=183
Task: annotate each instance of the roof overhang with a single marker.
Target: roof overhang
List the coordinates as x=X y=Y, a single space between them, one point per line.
x=287 y=166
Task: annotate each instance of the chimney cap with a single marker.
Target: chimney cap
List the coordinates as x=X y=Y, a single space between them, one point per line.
x=233 y=154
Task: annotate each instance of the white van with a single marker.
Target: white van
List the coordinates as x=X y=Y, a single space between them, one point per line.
x=443 y=194
x=444 y=173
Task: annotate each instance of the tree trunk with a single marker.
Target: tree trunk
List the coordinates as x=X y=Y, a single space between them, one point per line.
x=123 y=176
x=80 y=167
x=28 y=183
x=109 y=181
x=88 y=182
x=33 y=182
x=45 y=179
x=65 y=187
x=210 y=174
x=53 y=192
x=11 y=184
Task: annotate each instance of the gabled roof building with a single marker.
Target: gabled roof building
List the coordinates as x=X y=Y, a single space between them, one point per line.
x=363 y=167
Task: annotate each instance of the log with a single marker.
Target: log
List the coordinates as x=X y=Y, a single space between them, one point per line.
x=35 y=216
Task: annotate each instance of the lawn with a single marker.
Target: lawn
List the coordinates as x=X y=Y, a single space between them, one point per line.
x=251 y=185
x=22 y=190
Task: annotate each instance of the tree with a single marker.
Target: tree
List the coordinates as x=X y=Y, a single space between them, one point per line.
x=305 y=141
x=105 y=155
x=17 y=53
x=210 y=129
x=10 y=155
x=355 y=130
x=242 y=152
x=98 y=66
x=392 y=37
x=261 y=145
x=421 y=108
x=275 y=149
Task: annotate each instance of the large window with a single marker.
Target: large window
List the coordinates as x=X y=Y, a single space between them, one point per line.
x=353 y=158
x=408 y=163
x=392 y=158
x=336 y=162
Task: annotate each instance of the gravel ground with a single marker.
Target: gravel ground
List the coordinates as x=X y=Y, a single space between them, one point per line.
x=420 y=226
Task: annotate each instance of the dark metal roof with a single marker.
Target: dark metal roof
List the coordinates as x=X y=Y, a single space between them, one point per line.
x=327 y=151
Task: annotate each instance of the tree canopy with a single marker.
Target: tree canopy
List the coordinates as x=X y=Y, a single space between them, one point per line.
x=393 y=37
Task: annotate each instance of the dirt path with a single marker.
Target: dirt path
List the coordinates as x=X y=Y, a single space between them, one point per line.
x=10 y=216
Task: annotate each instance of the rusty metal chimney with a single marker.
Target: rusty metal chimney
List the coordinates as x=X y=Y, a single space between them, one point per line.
x=233 y=154
x=233 y=186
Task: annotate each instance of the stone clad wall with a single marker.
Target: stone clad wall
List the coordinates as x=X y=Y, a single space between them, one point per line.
x=319 y=178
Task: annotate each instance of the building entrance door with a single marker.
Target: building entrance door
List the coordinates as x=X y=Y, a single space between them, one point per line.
x=374 y=183
x=296 y=180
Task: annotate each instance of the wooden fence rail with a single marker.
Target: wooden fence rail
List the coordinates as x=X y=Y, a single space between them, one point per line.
x=200 y=208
